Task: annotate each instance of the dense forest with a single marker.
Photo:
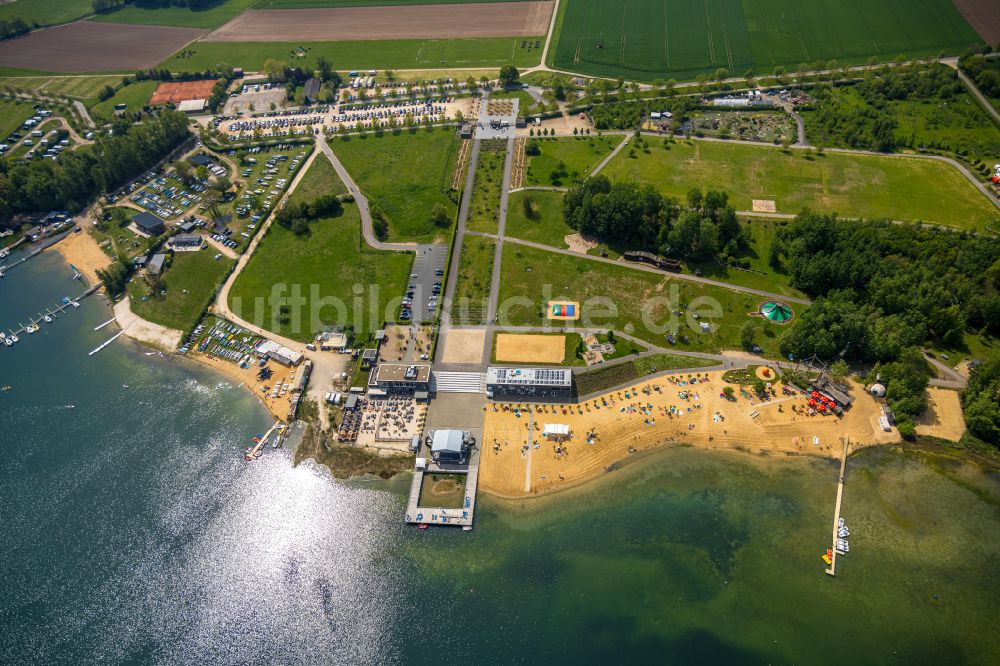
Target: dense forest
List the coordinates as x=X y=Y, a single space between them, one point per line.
x=884 y=290
x=866 y=115
x=981 y=401
x=634 y=216
x=986 y=78
x=82 y=175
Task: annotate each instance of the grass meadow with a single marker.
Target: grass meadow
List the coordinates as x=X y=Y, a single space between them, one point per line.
x=484 y=208
x=134 y=96
x=12 y=115
x=579 y=155
x=191 y=283
x=540 y=276
x=472 y=288
x=374 y=54
x=544 y=225
x=898 y=188
x=78 y=87
x=46 y=12
x=332 y=257
x=405 y=174
x=649 y=39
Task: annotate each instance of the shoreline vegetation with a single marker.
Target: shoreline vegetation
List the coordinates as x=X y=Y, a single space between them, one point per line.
x=346 y=461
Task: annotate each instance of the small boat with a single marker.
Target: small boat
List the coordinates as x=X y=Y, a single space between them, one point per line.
x=70 y=406
x=8 y=341
x=422 y=526
x=74 y=304
x=827 y=559
x=13 y=338
x=5 y=388
x=31 y=328
x=124 y=385
x=48 y=319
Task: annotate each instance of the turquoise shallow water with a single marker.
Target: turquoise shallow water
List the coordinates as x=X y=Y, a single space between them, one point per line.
x=133 y=532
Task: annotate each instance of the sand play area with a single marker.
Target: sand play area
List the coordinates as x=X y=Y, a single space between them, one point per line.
x=514 y=348
x=464 y=346
x=673 y=410
x=943 y=417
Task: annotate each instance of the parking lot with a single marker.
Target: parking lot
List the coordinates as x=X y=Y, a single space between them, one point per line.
x=426 y=283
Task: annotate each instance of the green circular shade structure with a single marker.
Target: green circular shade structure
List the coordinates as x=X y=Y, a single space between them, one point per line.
x=779 y=313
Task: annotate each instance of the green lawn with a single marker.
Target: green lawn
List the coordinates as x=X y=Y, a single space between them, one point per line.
x=484 y=208
x=901 y=188
x=650 y=39
x=212 y=17
x=46 y=12
x=545 y=225
x=367 y=54
x=308 y=4
x=340 y=280
x=406 y=175
x=190 y=282
x=12 y=116
x=472 y=290
x=660 y=362
x=134 y=96
x=321 y=179
x=80 y=87
x=621 y=296
x=578 y=155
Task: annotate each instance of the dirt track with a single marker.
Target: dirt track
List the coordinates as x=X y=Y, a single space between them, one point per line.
x=86 y=46
x=504 y=19
x=983 y=16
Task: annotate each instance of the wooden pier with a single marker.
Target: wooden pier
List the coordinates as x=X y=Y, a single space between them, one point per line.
x=35 y=253
x=460 y=517
x=832 y=569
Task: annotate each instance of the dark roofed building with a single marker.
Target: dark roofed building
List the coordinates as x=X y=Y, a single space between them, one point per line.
x=149 y=224
x=201 y=160
x=311 y=90
x=186 y=240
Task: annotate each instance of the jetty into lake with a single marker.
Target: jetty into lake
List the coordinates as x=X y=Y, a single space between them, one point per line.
x=446 y=516
x=50 y=242
x=52 y=312
x=832 y=569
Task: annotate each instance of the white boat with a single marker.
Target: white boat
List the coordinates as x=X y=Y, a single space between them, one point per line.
x=8 y=342
x=843 y=532
x=74 y=304
x=48 y=319
x=31 y=328
x=14 y=338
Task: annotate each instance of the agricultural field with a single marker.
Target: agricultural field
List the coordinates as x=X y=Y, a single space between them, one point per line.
x=541 y=276
x=12 y=116
x=484 y=207
x=190 y=284
x=472 y=290
x=405 y=174
x=899 y=188
x=578 y=157
x=374 y=54
x=211 y=17
x=78 y=87
x=135 y=96
x=46 y=12
x=334 y=259
x=649 y=39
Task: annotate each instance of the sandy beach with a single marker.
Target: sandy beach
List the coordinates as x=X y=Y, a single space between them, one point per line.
x=81 y=250
x=278 y=407
x=653 y=415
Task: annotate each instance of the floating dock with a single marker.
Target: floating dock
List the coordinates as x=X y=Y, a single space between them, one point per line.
x=106 y=343
x=35 y=253
x=56 y=310
x=460 y=517
x=832 y=570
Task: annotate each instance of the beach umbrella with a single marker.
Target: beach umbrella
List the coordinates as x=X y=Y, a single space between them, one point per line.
x=815 y=394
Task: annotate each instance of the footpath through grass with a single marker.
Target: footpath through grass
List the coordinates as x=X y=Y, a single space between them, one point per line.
x=634 y=302
x=564 y=160
x=864 y=186
x=190 y=284
x=334 y=277
x=406 y=175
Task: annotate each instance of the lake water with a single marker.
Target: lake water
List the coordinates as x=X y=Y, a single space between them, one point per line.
x=134 y=532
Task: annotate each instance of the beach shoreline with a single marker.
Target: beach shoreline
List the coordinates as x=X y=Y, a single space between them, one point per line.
x=79 y=249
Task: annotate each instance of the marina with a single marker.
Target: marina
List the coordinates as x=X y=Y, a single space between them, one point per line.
x=50 y=313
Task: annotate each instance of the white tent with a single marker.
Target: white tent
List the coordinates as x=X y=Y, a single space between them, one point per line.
x=555 y=430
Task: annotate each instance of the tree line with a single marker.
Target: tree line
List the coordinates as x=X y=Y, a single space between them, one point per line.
x=81 y=175
x=639 y=217
x=13 y=26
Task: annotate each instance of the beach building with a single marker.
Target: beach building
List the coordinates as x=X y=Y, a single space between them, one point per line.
x=541 y=383
x=450 y=447
x=330 y=341
x=149 y=224
x=278 y=353
x=399 y=378
x=156 y=264
x=186 y=241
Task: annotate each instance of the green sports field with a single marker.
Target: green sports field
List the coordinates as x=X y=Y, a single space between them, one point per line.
x=649 y=39
x=375 y=54
x=898 y=188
